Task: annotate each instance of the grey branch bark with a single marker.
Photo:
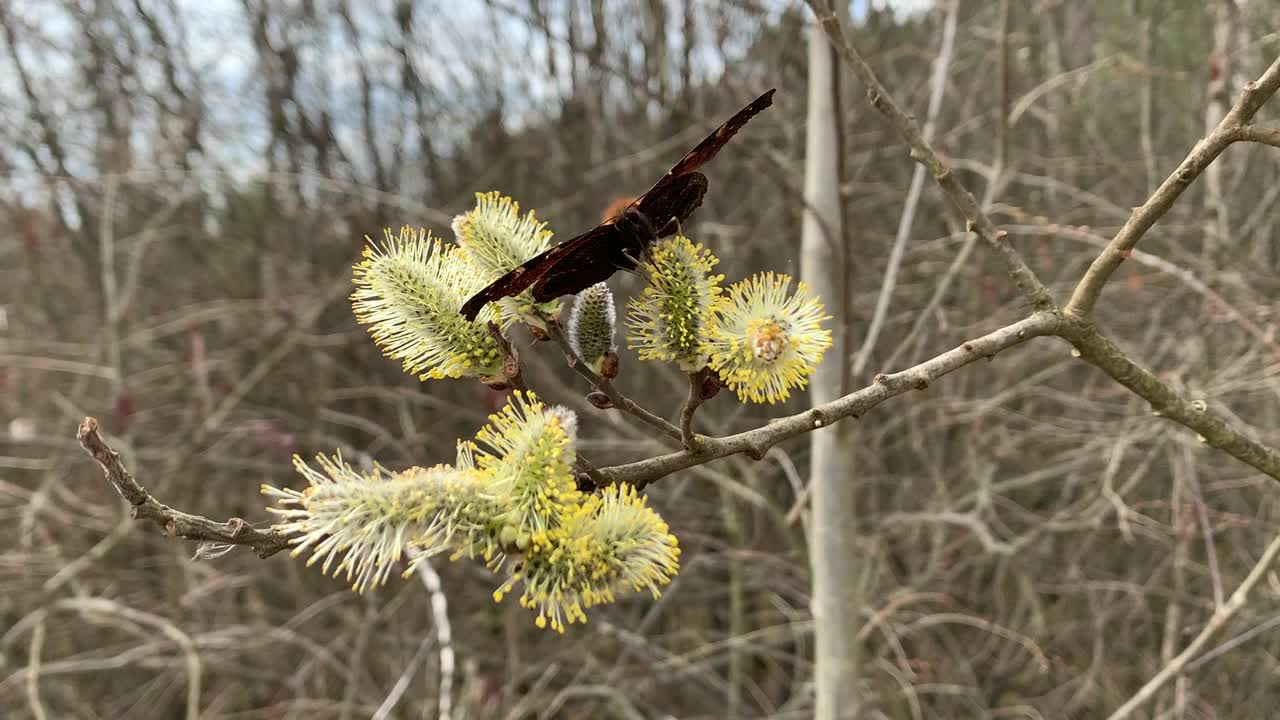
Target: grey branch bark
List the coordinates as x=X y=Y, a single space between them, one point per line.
x=1234 y=127
x=754 y=443
x=174 y=523
x=976 y=219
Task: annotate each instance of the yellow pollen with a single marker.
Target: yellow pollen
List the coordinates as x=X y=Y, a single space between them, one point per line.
x=768 y=340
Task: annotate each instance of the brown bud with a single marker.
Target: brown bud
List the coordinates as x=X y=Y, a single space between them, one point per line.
x=599 y=399
x=711 y=385
x=511 y=364
x=609 y=365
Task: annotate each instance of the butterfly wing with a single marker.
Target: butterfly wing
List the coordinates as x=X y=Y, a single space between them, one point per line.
x=678 y=193
x=618 y=246
x=672 y=202
x=605 y=252
x=529 y=272
x=601 y=251
x=703 y=152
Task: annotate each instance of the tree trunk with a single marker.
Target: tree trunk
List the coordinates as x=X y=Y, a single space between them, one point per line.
x=835 y=601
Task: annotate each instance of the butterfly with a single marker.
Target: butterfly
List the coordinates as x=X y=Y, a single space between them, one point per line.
x=617 y=244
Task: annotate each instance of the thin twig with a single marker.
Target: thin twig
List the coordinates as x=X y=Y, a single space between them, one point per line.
x=512 y=368
x=444 y=635
x=33 y=668
x=194 y=667
x=1234 y=127
x=754 y=443
x=1255 y=134
x=976 y=219
x=173 y=523
x=439 y=612
x=1219 y=620
x=907 y=220
x=1212 y=427
x=603 y=384
x=694 y=400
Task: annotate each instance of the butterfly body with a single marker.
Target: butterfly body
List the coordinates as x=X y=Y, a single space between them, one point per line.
x=619 y=243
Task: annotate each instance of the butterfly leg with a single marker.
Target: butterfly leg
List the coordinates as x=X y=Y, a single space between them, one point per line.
x=631 y=261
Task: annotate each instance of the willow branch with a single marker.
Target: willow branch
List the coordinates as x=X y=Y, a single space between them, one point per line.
x=174 y=523
x=603 y=384
x=1262 y=135
x=754 y=443
x=688 y=437
x=976 y=220
x=1214 y=430
x=1233 y=128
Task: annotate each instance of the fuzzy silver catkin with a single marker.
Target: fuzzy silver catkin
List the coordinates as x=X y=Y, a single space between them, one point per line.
x=591 y=324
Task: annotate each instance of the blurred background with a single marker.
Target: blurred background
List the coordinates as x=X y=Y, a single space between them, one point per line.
x=185 y=186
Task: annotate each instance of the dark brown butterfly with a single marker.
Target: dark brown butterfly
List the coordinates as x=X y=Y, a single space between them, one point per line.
x=598 y=253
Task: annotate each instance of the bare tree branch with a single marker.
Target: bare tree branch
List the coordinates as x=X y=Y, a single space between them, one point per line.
x=1213 y=429
x=603 y=384
x=754 y=443
x=1219 y=620
x=688 y=437
x=976 y=220
x=1255 y=134
x=1230 y=130
x=173 y=523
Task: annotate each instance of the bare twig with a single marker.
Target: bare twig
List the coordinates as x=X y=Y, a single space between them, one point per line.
x=754 y=443
x=173 y=523
x=603 y=384
x=1214 y=430
x=1255 y=134
x=433 y=586
x=695 y=399
x=1219 y=620
x=194 y=667
x=977 y=221
x=33 y=668
x=1232 y=128
x=907 y=220
x=444 y=635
